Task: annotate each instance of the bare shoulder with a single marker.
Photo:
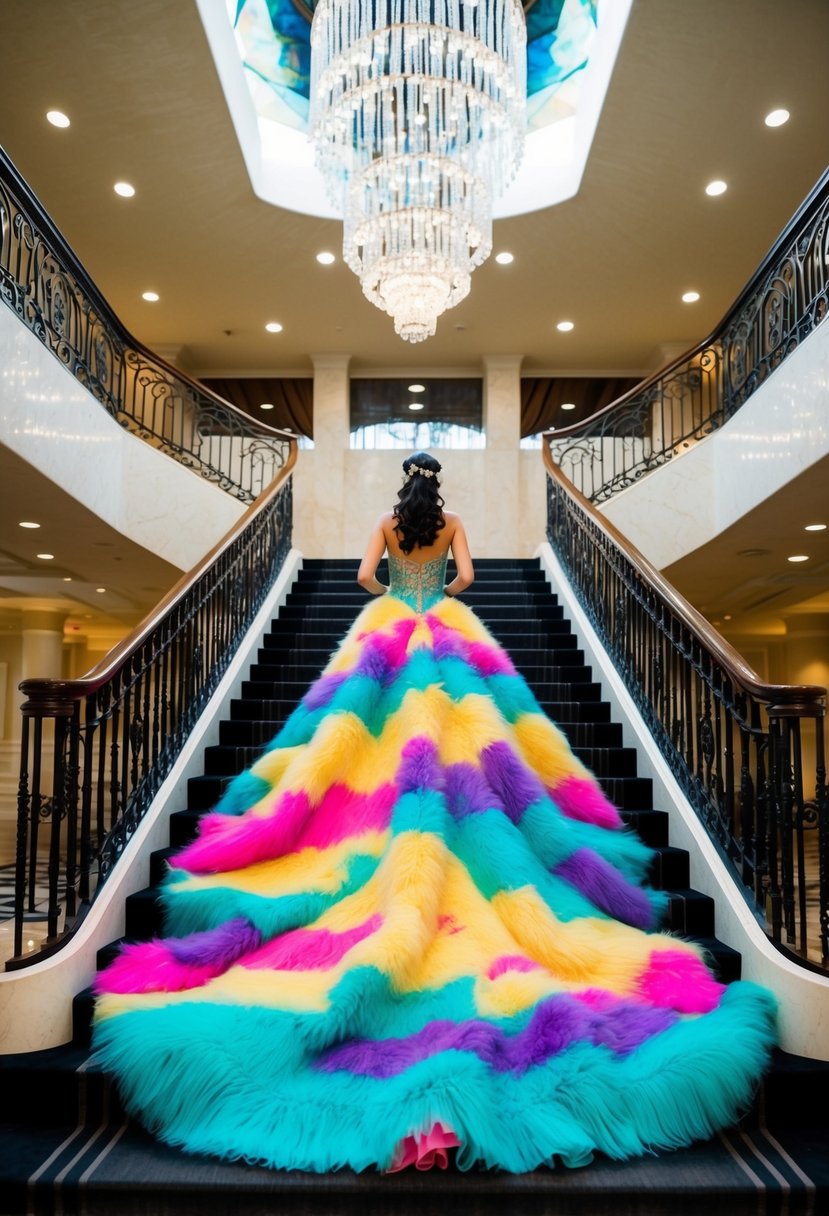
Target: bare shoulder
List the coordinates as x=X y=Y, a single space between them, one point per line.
x=453 y=521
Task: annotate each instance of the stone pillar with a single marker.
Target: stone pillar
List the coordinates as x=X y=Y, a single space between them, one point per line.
x=320 y=492
x=502 y=424
x=42 y=633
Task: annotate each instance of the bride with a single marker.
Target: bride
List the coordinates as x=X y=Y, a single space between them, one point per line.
x=417 y=925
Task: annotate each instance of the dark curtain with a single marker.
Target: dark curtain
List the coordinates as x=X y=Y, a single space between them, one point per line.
x=292 y=400
x=542 y=399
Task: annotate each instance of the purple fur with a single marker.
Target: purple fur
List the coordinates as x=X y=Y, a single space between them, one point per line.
x=419 y=768
x=224 y=944
x=468 y=792
x=517 y=785
x=605 y=887
x=557 y=1024
x=321 y=693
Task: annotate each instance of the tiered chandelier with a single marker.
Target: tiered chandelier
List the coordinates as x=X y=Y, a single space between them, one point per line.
x=417 y=118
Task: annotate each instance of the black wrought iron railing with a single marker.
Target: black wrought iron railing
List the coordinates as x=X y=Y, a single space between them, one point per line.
x=749 y=756
x=95 y=751
x=661 y=418
x=44 y=284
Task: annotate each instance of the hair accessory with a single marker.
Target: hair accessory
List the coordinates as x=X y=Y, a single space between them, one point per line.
x=415 y=468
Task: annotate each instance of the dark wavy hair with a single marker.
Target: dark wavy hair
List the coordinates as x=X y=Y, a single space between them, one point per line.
x=419 y=513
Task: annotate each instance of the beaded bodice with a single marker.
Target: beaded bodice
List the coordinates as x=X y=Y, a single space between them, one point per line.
x=418 y=584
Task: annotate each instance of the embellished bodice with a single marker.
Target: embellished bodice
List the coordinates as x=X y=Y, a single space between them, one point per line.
x=418 y=584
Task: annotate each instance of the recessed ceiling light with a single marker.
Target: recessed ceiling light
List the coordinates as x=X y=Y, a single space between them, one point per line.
x=799 y=557
x=808 y=528
x=564 y=327
x=417 y=388
x=568 y=405
x=504 y=259
x=124 y=189
x=727 y=616
x=776 y=118
x=266 y=405
x=273 y=327
x=68 y=578
x=57 y=118
x=325 y=258
x=46 y=557
x=152 y=297
x=690 y=297
x=100 y=590
x=716 y=187
x=416 y=405
x=28 y=523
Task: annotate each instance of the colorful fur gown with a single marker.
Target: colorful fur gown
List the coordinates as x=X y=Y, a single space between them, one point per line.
x=414 y=923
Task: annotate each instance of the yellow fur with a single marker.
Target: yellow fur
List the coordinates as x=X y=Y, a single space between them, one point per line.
x=546 y=750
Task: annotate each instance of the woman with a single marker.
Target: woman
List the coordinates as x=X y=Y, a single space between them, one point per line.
x=417 y=924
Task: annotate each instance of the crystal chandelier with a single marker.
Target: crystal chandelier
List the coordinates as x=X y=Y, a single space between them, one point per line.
x=417 y=119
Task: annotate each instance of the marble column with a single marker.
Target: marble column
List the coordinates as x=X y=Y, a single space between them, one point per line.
x=807 y=662
x=502 y=424
x=42 y=632
x=320 y=490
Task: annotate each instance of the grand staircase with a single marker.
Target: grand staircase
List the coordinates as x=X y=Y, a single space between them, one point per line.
x=67 y=1148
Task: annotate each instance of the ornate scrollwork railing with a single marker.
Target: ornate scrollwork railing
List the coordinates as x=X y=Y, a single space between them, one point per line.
x=668 y=413
x=44 y=284
x=95 y=751
x=737 y=746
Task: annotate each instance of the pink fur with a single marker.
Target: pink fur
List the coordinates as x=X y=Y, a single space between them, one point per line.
x=511 y=962
x=489 y=660
x=677 y=980
x=232 y=842
x=426 y=1151
x=343 y=813
x=309 y=949
x=579 y=798
x=150 y=967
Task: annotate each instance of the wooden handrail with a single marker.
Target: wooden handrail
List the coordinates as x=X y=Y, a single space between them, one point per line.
x=801 y=700
x=42 y=690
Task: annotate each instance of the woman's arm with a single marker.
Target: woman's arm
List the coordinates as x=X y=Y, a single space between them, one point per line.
x=374 y=551
x=465 y=576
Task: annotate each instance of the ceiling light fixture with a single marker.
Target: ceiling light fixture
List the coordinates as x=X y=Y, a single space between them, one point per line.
x=325 y=258
x=124 y=189
x=808 y=528
x=798 y=557
x=564 y=327
x=100 y=590
x=568 y=405
x=416 y=405
x=46 y=557
x=57 y=118
x=417 y=388
x=716 y=187
x=417 y=120
x=273 y=327
x=690 y=297
x=67 y=578
x=504 y=258
x=266 y=405
x=777 y=118
x=28 y=523
x=152 y=297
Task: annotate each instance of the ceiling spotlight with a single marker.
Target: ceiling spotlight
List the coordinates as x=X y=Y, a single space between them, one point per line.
x=28 y=523
x=416 y=405
x=58 y=119
x=266 y=405
x=46 y=557
x=564 y=327
x=100 y=590
x=568 y=405
x=690 y=297
x=799 y=557
x=716 y=187
x=417 y=388
x=808 y=528
x=67 y=578
x=325 y=258
x=727 y=616
x=273 y=327
x=776 y=118
x=152 y=297
x=124 y=189
x=504 y=259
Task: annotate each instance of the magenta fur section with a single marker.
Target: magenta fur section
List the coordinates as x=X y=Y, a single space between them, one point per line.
x=605 y=887
x=511 y=962
x=680 y=981
x=556 y=1024
x=310 y=949
x=580 y=798
x=179 y=963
